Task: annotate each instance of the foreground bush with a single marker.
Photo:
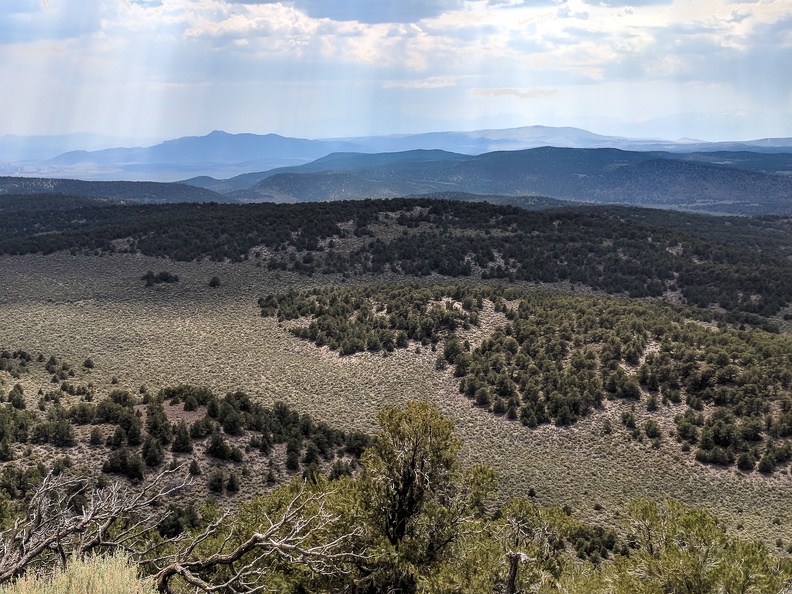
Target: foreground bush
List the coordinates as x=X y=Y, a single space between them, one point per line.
x=94 y=575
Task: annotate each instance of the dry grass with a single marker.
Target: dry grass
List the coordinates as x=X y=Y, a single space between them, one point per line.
x=96 y=575
x=189 y=333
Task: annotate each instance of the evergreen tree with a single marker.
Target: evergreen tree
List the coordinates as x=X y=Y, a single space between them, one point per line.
x=182 y=443
x=153 y=454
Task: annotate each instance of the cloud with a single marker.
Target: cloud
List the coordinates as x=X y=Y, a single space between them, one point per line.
x=369 y=11
x=620 y=3
x=23 y=21
x=426 y=83
x=522 y=95
x=384 y=56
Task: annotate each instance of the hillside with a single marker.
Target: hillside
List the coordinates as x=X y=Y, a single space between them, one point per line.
x=188 y=332
x=569 y=350
x=720 y=183
x=421 y=237
x=724 y=183
x=143 y=192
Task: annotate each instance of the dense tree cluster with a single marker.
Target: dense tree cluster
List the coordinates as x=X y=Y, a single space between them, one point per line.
x=613 y=255
x=632 y=254
x=138 y=432
x=413 y=521
x=376 y=318
x=15 y=363
x=559 y=357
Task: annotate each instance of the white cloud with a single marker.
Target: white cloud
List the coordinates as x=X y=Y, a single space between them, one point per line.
x=516 y=93
x=77 y=58
x=426 y=83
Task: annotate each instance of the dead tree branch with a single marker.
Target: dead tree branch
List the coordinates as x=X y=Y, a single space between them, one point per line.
x=291 y=537
x=67 y=516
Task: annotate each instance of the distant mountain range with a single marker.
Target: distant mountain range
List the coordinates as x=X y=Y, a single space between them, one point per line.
x=754 y=180
x=741 y=183
x=745 y=183
x=223 y=155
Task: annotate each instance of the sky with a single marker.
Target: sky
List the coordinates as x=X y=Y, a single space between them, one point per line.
x=704 y=69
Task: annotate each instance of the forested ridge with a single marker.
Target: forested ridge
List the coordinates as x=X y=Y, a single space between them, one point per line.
x=558 y=358
x=420 y=237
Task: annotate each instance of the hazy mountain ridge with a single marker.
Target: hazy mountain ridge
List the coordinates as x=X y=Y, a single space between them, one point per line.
x=693 y=182
x=223 y=155
x=156 y=192
x=743 y=182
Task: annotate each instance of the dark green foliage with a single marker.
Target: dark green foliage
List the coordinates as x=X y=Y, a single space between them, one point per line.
x=134 y=435
x=15 y=424
x=356 y=442
x=182 y=443
x=59 y=433
x=216 y=481
x=214 y=282
x=593 y=543
x=122 y=398
x=219 y=448
x=236 y=413
x=746 y=462
x=232 y=485
x=190 y=403
x=123 y=461
x=293 y=455
x=739 y=372
x=117 y=439
x=177 y=520
x=17 y=397
x=153 y=454
x=61 y=464
x=640 y=253
x=161 y=277
x=194 y=468
x=157 y=423
x=17 y=483
x=202 y=427
x=6 y=451
x=766 y=464
x=198 y=395
x=96 y=436
x=559 y=357
x=311 y=455
x=374 y=318
x=340 y=468
x=652 y=429
x=15 y=363
x=82 y=413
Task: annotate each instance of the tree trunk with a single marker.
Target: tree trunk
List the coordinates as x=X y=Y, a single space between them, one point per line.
x=511 y=578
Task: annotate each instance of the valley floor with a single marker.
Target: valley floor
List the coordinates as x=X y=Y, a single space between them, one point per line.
x=187 y=332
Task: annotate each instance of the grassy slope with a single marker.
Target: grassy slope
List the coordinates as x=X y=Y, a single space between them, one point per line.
x=78 y=307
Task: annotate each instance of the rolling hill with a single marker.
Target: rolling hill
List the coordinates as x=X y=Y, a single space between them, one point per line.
x=142 y=192
x=699 y=182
